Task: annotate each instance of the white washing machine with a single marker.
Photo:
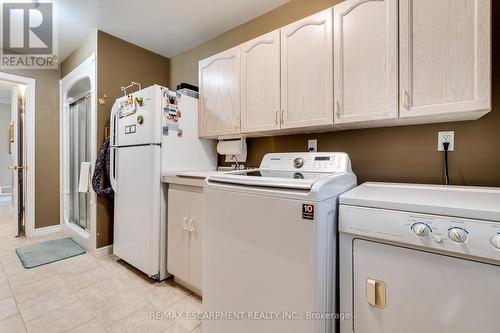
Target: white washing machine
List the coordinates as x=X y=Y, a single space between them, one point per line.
x=420 y=258
x=269 y=244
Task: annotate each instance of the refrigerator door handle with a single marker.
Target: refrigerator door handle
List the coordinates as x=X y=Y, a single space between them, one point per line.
x=113 y=170
x=113 y=125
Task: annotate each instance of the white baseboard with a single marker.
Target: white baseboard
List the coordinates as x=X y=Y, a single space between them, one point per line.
x=37 y=232
x=103 y=251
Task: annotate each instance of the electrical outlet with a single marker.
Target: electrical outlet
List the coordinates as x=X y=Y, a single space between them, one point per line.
x=312 y=145
x=446 y=137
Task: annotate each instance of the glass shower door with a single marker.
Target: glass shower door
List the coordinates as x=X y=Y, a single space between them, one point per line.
x=79 y=119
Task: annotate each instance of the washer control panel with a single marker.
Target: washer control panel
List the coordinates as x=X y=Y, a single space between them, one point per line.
x=307 y=162
x=463 y=236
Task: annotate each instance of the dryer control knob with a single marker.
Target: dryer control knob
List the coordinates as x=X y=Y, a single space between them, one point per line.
x=495 y=241
x=298 y=162
x=458 y=235
x=421 y=229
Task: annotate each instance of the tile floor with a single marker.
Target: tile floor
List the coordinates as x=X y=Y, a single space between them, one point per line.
x=84 y=293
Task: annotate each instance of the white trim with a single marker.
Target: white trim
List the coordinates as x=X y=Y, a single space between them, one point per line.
x=29 y=136
x=5 y=100
x=46 y=230
x=87 y=69
x=103 y=251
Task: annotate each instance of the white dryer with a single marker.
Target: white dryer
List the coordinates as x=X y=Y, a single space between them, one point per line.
x=420 y=258
x=269 y=244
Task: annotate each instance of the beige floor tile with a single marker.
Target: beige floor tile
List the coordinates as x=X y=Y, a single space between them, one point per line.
x=5 y=291
x=189 y=304
x=27 y=291
x=197 y=330
x=177 y=328
x=136 y=279
x=3 y=277
x=111 y=300
x=86 y=279
x=13 y=324
x=38 y=306
x=8 y=308
x=13 y=267
x=165 y=294
x=8 y=258
x=141 y=321
x=73 y=266
x=29 y=276
x=61 y=320
x=91 y=326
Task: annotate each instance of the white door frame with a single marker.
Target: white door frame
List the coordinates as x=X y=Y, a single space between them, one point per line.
x=87 y=69
x=29 y=137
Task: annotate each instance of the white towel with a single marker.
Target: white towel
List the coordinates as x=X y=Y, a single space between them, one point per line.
x=84 y=184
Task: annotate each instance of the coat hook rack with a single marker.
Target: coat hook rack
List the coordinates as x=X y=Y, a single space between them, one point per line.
x=132 y=84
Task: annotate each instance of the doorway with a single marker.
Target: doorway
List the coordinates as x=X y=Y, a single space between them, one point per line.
x=78 y=122
x=13 y=156
x=79 y=157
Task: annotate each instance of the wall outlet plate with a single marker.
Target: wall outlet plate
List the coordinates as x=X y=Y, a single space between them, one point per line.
x=443 y=137
x=312 y=145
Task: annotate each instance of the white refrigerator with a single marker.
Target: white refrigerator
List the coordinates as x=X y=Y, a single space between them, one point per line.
x=154 y=132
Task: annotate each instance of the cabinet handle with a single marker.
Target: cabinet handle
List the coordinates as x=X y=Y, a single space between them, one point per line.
x=406 y=99
x=236 y=123
x=338 y=109
x=282 y=116
x=375 y=293
x=191 y=225
x=185 y=224
x=276 y=116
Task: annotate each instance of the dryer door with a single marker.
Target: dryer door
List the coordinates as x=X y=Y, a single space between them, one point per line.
x=403 y=290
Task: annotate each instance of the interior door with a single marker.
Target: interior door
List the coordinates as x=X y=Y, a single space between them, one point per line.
x=17 y=149
x=366 y=83
x=424 y=292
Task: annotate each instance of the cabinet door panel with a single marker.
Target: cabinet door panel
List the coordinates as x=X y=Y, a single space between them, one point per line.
x=178 y=236
x=219 y=80
x=307 y=72
x=445 y=54
x=260 y=83
x=195 y=262
x=366 y=60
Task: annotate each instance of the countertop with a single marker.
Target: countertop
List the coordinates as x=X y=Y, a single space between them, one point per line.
x=189 y=178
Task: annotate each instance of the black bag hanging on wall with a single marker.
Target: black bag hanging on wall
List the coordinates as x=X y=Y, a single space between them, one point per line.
x=100 y=184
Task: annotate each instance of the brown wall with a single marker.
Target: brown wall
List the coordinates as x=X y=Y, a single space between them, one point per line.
x=47 y=145
x=119 y=63
x=397 y=154
x=85 y=50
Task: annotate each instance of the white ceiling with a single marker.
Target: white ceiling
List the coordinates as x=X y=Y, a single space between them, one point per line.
x=166 y=27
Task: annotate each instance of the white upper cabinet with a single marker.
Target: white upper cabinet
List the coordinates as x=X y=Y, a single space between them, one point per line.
x=366 y=61
x=307 y=72
x=260 y=83
x=445 y=55
x=219 y=80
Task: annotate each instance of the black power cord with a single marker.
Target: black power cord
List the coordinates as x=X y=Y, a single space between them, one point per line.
x=446 y=146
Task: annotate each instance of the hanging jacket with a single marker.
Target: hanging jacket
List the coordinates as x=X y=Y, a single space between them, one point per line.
x=100 y=184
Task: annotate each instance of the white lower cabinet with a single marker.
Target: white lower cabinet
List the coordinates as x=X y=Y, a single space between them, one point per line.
x=184 y=235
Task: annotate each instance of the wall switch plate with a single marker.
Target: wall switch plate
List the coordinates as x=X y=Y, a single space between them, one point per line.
x=312 y=145
x=443 y=137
